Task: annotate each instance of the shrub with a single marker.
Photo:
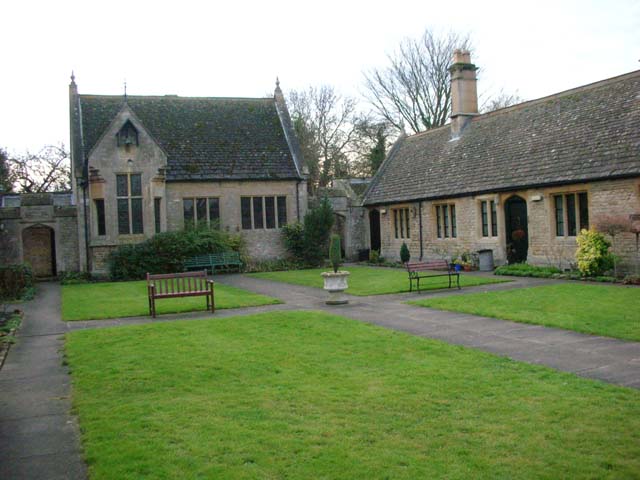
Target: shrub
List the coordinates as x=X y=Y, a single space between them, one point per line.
x=167 y=251
x=307 y=242
x=526 y=270
x=593 y=255
x=374 y=256
x=631 y=280
x=15 y=281
x=405 y=255
x=335 y=253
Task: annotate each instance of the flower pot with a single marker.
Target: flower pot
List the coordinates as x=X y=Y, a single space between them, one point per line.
x=467 y=268
x=336 y=284
x=457 y=267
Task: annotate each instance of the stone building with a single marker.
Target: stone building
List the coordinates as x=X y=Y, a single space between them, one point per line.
x=148 y=164
x=41 y=230
x=351 y=220
x=520 y=181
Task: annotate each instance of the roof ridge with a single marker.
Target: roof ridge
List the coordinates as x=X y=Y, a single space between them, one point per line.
x=563 y=93
x=171 y=96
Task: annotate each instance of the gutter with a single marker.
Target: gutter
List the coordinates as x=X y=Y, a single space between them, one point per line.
x=420 y=223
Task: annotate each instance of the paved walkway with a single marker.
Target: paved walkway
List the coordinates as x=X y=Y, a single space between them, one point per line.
x=38 y=436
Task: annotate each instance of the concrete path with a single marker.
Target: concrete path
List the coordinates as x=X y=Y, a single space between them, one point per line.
x=38 y=435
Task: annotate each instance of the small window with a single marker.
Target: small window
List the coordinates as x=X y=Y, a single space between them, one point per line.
x=201 y=211
x=401 y=223
x=245 y=207
x=282 y=211
x=128 y=135
x=102 y=229
x=489 y=218
x=571 y=213
x=214 y=212
x=258 y=221
x=584 y=211
x=494 y=219
x=559 y=215
x=270 y=211
x=157 y=204
x=485 y=218
x=446 y=222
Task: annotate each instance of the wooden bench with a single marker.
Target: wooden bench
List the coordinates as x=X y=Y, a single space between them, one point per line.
x=210 y=261
x=415 y=270
x=176 y=285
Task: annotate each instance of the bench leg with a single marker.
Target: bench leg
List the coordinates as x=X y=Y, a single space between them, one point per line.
x=449 y=280
x=153 y=307
x=458 y=275
x=410 y=284
x=213 y=303
x=418 y=284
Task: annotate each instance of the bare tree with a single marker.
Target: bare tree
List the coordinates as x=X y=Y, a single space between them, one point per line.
x=5 y=172
x=501 y=100
x=414 y=90
x=48 y=170
x=325 y=123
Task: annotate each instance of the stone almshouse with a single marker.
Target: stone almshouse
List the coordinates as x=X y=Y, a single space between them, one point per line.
x=521 y=181
x=148 y=164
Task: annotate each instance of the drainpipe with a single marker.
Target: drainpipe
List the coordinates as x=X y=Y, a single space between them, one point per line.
x=420 y=223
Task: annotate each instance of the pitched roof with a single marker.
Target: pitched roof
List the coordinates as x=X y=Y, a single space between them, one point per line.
x=588 y=133
x=204 y=138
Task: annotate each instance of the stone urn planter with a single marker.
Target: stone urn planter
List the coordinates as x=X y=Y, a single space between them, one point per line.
x=336 y=283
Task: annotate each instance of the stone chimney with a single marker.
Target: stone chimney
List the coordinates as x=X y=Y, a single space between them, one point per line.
x=464 y=95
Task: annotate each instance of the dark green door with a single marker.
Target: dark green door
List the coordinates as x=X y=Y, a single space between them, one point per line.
x=517 y=231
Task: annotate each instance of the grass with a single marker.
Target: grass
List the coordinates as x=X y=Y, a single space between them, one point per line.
x=595 y=309
x=371 y=281
x=307 y=395
x=92 y=301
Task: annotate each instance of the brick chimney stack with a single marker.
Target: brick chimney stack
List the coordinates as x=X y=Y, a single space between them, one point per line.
x=464 y=94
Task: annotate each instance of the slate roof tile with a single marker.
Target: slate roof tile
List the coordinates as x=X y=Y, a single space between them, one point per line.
x=588 y=133
x=204 y=138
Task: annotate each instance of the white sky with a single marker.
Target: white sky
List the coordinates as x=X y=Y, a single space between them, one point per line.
x=212 y=48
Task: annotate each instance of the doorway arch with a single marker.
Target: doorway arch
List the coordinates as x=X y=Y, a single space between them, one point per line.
x=39 y=250
x=517 y=229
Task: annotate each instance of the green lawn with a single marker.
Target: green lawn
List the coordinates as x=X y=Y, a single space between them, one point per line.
x=372 y=281
x=596 y=309
x=91 y=301
x=305 y=395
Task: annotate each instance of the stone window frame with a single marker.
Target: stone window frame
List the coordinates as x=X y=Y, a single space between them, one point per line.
x=258 y=205
x=401 y=222
x=488 y=206
x=157 y=214
x=207 y=214
x=130 y=198
x=446 y=217
x=569 y=204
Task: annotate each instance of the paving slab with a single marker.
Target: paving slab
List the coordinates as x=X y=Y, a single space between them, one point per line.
x=39 y=438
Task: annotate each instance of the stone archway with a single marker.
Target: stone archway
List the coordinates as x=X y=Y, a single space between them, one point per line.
x=39 y=250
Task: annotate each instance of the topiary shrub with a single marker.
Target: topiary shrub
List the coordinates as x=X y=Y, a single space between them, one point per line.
x=405 y=255
x=335 y=253
x=593 y=255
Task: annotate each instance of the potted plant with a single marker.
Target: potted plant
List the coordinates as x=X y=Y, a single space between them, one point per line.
x=457 y=264
x=405 y=255
x=335 y=282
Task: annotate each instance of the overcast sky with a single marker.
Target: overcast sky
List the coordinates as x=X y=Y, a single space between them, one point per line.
x=212 y=48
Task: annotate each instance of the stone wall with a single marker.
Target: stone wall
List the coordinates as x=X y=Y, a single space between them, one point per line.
x=261 y=243
x=39 y=214
x=615 y=197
